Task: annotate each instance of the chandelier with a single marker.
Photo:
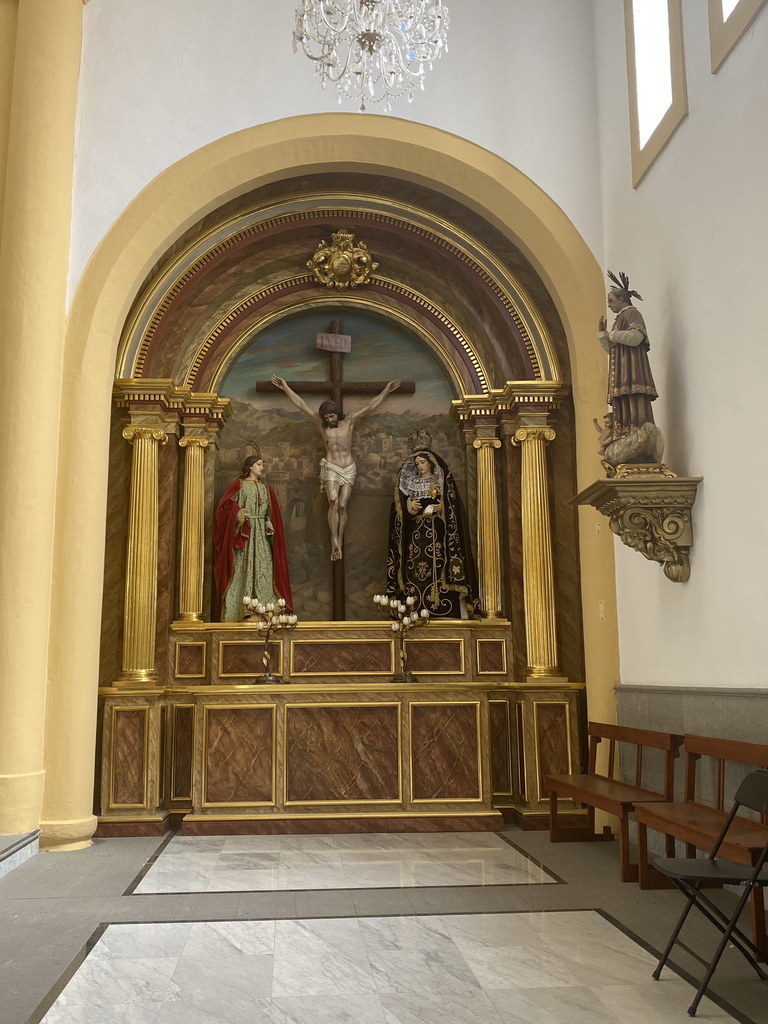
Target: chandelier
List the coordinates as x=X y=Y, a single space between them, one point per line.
x=372 y=50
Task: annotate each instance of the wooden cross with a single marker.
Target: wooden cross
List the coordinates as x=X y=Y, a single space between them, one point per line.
x=337 y=387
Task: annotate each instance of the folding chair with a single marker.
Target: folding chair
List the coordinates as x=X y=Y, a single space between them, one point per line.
x=690 y=874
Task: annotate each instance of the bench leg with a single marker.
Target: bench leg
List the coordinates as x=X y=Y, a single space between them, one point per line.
x=648 y=876
x=629 y=871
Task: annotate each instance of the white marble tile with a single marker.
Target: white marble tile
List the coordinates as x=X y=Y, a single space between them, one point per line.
x=519 y=967
x=141 y=941
x=418 y=971
x=576 y=1005
x=320 y=957
x=120 y=1013
x=293 y=876
x=450 y=1008
x=325 y=935
x=306 y=843
x=197 y=842
x=251 y=1011
x=247 y=860
x=472 y=932
x=112 y=982
x=243 y=881
x=346 y=1009
x=203 y=981
x=381 y=934
x=229 y=938
x=661 y=1002
x=252 y=844
x=188 y=878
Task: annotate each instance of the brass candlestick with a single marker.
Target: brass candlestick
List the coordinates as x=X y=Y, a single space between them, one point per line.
x=270 y=618
x=404 y=617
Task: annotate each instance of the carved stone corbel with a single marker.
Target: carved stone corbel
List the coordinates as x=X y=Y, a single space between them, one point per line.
x=650 y=512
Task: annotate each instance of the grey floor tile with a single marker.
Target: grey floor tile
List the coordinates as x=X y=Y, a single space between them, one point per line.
x=324 y=904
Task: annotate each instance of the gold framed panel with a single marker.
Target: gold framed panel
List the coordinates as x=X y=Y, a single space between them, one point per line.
x=248 y=675
x=336 y=642
x=114 y=711
x=453 y=799
x=173 y=796
x=443 y=640
x=204 y=766
x=491 y=640
x=510 y=791
x=344 y=704
x=537 y=750
x=191 y=643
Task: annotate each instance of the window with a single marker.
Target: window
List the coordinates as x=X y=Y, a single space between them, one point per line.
x=658 y=100
x=728 y=21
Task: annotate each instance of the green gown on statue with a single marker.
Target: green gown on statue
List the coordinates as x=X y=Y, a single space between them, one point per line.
x=252 y=574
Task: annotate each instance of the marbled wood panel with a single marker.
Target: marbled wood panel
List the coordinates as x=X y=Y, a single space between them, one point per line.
x=128 y=766
x=321 y=825
x=191 y=659
x=181 y=763
x=118 y=504
x=435 y=655
x=562 y=463
x=491 y=656
x=551 y=742
x=167 y=543
x=501 y=747
x=512 y=555
x=239 y=755
x=244 y=659
x=342 y=753
x=521 y=782
x=340 y=657
x=444 y=752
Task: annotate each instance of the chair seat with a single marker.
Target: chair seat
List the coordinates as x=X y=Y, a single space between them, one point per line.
x=695 y=869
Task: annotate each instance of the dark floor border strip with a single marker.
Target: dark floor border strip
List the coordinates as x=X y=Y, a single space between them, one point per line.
x=148 y=864
x=676 y=969
x=67 y=975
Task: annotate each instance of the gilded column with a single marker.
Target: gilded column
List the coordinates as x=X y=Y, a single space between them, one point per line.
x=141 y=561
x=538 y=573
x=192 y=530
x=488 y=546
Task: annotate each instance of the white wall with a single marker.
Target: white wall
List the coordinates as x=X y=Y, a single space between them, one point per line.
x=693 y=239
x=161 y=78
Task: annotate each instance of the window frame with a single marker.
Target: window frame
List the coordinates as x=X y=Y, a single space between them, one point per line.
x=725 y=34
x=643 y=157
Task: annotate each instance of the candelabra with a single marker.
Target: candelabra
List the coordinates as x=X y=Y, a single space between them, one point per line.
x=372 y=50
x=404 y=617
x=270 y=618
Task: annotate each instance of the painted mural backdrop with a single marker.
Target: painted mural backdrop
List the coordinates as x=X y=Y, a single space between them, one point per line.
x=292 y=447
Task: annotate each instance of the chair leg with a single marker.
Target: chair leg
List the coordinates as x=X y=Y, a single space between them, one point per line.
x=673 y=937
x=719 y=951
x=758 y=922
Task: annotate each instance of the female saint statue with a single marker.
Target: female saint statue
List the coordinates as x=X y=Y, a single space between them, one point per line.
x=249 y=544
x=430 y=557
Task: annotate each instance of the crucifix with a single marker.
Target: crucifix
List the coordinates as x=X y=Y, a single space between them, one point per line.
x=337 y=469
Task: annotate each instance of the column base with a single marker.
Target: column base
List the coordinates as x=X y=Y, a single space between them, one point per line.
x=545 y=677
x=21 y=797
x=67 y=834
x=190 y=617
x=136 y=677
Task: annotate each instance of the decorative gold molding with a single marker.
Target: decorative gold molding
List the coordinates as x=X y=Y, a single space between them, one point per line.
x=165 y=399
x=488 y=544
x=489 y=640
x=190 y=643
x=342 y=264
x=415 y=801
x=207 y=707
x=651 y=514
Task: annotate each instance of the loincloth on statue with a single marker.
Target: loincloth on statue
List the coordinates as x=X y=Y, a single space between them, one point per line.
x=336 y=474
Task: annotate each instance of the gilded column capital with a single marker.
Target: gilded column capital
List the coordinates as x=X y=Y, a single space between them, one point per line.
x=533 y=433
x=134 y=431
x=200 y=442
x=486 y=442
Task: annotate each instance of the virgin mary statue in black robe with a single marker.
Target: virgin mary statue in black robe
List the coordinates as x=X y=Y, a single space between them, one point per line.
x=430 y=556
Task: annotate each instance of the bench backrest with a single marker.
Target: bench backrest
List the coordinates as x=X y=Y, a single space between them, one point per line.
x=721 y=751
x=670 y=743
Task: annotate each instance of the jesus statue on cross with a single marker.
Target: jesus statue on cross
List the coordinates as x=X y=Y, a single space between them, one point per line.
x=337 y=469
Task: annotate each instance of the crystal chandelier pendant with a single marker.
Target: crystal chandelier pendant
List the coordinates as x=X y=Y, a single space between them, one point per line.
x=373 y=51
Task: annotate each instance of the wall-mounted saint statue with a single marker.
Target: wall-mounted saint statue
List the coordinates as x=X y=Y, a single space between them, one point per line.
x=430 y=556
x=629 y=434
x=249 y=544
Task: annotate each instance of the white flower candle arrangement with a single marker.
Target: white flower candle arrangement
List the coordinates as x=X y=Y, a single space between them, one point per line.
x=269 y=619
x=404 y=616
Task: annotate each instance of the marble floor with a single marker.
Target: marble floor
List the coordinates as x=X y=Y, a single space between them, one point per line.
x=542 y=968
x=421 y=929
x=403 y=860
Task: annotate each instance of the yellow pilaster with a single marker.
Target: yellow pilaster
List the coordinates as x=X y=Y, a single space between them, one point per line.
x=538 y=574
x=138 y=667
x=488 y=545
x=192 y=530
x=8 y=17
x=38 y=135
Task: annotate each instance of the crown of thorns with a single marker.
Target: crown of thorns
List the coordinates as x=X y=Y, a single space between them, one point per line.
x=622 y=283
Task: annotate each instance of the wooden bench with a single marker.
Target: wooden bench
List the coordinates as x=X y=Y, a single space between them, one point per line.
x=609 y=793
x=698 y=824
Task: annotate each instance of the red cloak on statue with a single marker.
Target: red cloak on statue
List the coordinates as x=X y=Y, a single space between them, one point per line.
x=227 y=539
